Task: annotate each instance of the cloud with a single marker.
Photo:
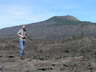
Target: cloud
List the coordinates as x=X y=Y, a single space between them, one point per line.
x=15 y=15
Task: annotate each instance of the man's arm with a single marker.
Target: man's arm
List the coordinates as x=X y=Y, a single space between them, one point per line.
x=19 y=34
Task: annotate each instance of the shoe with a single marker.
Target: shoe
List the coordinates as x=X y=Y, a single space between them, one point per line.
x=21 y=57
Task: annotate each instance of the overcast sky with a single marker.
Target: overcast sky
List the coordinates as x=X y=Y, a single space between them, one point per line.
x=17 y=12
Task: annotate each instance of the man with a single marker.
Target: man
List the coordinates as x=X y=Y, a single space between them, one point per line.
x=22 y=35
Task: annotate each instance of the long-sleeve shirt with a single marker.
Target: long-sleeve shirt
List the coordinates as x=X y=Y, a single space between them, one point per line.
x=22 y=33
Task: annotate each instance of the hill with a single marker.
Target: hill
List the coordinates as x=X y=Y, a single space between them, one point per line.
x=57 y=27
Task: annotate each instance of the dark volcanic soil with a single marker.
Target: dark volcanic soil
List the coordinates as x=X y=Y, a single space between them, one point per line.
x=70 y=55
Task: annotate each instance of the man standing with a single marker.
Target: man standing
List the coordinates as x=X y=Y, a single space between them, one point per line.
x=21 y=33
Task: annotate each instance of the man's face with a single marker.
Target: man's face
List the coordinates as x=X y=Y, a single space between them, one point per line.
x=23 y=27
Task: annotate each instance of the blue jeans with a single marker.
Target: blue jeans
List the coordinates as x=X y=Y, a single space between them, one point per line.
x=22 y=47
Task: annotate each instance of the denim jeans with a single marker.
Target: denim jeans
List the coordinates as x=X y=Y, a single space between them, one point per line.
x=22 y=47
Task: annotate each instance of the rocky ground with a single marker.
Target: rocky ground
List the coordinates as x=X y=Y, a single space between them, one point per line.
x=70 y=55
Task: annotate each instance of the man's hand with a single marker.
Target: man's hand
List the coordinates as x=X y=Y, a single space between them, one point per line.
x=22 y=36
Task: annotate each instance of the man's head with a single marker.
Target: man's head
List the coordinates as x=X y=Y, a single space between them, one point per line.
x=23 y=26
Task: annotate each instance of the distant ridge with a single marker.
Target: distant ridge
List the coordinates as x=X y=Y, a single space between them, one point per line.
x=57 y=27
